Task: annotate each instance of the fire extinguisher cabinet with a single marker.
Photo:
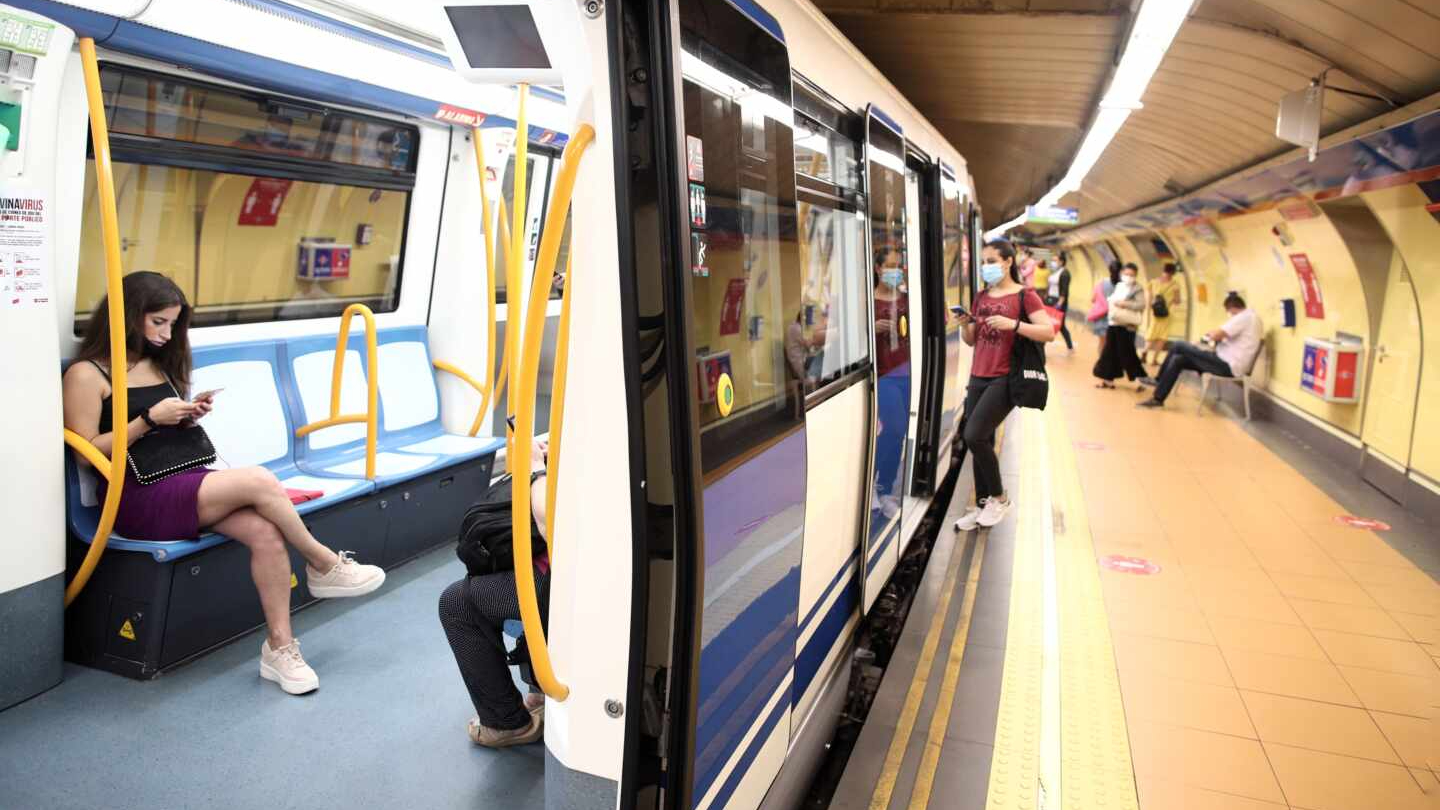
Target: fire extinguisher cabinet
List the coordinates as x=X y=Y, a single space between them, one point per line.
x=1332 y=369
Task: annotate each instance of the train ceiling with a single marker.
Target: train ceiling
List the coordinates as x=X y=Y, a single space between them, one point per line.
x=1012 y=84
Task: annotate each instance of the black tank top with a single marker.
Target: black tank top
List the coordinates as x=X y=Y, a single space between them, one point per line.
x=142 y=399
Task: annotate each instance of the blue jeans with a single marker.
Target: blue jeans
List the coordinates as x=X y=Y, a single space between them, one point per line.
x=1187 y=357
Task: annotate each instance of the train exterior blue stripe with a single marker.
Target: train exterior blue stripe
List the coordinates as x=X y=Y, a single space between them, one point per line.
x=885 y=119
x=880 y=549
x=807 y=664
x=760 y=17
x=245 y=68
x=754 y=521
x=839 y=575
x=751 y=751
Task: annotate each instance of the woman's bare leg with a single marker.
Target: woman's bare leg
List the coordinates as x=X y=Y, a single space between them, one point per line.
x=269 y=567
x=224 y=492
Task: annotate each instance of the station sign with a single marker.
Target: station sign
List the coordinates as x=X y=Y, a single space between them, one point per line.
x=1051 y=215
x=323 y=261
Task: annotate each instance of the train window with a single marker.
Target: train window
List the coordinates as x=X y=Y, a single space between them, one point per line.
x=826 y=155
x=537 y=199
x=888 y=244
x=957 y=270
x=829 y=336
x=259 y=210
x=744 y=259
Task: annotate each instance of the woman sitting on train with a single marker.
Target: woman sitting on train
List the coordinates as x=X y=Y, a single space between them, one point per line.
x=247 y=503
x=473 y=612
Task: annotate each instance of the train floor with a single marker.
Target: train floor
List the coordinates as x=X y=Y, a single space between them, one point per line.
x=1171 y=618
x=386 y=728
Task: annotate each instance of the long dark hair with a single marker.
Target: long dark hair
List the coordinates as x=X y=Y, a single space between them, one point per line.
x=145 y=292
x=1115 y=271
x=1007 y=251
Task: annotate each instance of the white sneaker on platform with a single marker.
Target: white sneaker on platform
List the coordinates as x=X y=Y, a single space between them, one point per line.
x=969 y=521
x=347 y=578
x=994 y=512
x=286 y=667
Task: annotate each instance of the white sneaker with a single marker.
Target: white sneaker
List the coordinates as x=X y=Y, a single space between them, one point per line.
x=994 y=512
x=286 y=667
x=347 y=578
x=969 y=521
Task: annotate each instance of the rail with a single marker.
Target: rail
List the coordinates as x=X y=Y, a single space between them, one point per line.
x=526 y=379
x=372 y=387
x=516 y=257
x=113 y=468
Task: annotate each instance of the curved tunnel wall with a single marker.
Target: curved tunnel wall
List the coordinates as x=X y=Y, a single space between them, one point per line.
x=1254 y=254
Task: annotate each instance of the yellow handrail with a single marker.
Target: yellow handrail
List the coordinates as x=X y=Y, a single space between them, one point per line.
x=516 y=256
x=372 y=387
x=450 y=368
x=119 y=354
x=557 y=406
x=527 y=379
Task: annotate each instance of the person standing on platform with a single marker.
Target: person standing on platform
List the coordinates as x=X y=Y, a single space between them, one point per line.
x=1127 y=310
x=1027 y=267
x=1007 y=310
x=1238 y=343
x=1059 y=297
x=1167 y=290
x=1099 y=316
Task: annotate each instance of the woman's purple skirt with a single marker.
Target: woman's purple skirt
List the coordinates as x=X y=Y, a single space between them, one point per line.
x=168 y=509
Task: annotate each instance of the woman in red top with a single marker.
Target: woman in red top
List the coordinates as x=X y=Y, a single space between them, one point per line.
x=993 y=330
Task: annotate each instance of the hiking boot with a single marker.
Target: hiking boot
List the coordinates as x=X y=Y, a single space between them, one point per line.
x=994 y=512
x=286 y=667
x=504 y=738
x=347 y=578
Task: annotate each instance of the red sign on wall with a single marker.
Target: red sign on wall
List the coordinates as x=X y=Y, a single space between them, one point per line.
x=731 y=308
x=1309 y=286
x=262 y=202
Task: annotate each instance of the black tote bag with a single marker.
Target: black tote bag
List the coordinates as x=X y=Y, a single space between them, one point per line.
x=1029 y=384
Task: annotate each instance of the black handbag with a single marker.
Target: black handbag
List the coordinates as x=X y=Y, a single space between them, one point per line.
x=1029 y=384
x=169 y=450
x=486 y=542
x=1159 y=307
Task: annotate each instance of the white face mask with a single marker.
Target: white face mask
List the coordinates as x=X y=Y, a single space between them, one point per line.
x=1127 y=279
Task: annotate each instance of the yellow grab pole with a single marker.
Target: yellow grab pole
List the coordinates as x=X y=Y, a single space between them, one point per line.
x=490 y=375
x=557 y=405
x=372 y=386
x=516 y=257
x=526 y=379
x=119 y=354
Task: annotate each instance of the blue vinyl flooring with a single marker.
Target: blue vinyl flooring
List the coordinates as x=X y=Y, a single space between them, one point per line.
x=385 y=730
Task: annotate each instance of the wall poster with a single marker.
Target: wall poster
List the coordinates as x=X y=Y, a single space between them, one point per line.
x=24 y=245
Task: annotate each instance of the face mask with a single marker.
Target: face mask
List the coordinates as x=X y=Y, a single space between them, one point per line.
x=1127 y=279
x=992 y=273
x=892 y=278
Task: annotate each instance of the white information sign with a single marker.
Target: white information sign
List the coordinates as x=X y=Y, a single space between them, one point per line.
x=24 y=248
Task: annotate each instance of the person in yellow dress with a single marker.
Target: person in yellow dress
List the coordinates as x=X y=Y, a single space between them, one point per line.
x=1165 y=288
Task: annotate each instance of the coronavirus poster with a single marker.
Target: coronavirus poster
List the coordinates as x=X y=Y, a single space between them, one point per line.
x=24 y=238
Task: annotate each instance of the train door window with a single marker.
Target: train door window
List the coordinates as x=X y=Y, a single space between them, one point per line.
x=828 y=337
x=537 y=193
x=956 y=253
x=744 y=259
x=258 y=208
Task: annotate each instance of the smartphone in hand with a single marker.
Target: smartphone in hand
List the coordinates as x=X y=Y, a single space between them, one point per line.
x=206 y=394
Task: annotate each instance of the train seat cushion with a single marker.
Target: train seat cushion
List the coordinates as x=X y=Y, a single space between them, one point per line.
x=312 y=374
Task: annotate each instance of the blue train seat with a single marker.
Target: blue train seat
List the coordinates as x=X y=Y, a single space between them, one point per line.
x=411 y=441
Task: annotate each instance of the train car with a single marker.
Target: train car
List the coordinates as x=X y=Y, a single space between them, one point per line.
x=754 y=239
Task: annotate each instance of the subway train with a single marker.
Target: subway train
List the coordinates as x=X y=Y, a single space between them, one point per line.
x=706 y=242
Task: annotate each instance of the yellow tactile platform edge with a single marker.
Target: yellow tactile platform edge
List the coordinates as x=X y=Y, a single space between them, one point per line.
x=1095 y=769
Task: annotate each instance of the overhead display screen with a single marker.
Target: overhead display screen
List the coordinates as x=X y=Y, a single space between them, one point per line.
x=499 y=37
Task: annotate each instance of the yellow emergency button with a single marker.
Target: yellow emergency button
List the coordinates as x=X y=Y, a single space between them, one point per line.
x=724 y=394
x=904 y=326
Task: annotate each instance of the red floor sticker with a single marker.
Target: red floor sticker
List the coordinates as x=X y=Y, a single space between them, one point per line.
x=1130 y=565
x=1362 y=523
x=1090 y=445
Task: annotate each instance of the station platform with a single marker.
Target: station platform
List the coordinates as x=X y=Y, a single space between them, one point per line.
x=1171 y=618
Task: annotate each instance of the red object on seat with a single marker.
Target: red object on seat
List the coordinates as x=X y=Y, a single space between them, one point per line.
x=303 y=495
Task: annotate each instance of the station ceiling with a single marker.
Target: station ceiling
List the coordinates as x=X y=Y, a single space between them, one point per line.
x=1013 y=83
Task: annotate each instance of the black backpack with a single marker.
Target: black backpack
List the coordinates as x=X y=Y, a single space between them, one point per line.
x=1029 y=384
x=1159 y=307
x=486 y=541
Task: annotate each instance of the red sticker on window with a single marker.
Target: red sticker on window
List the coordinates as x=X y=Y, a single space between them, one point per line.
x=1362 y=523
x=261 y=206
x=1130 y=565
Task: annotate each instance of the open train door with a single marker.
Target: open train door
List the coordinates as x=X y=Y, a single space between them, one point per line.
x=711 y=207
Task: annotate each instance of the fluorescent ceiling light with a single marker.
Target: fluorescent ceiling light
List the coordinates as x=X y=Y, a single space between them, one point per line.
x=1155 y=28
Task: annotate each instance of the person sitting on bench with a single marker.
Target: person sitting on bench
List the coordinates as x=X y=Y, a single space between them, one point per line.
x=1237 y=343
x=246 y=503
